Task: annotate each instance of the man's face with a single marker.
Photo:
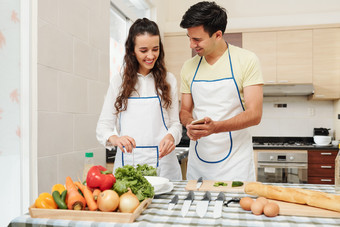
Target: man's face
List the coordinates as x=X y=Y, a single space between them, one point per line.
x=200 y=40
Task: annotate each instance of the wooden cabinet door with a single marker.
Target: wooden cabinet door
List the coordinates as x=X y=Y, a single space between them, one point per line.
x=326 y=63
x=263 y=44
x=294 y=56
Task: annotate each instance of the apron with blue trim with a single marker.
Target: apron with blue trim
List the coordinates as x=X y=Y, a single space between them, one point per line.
x=143 y=120
x=225 y=155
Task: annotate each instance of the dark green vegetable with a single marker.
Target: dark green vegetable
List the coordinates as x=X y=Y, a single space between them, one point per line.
x=217 y=184
x=146 y=170
x=237 y=184
x=128 y=177
x=60 y=199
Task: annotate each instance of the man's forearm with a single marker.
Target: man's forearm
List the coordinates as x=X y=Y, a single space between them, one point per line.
x=243 y=120
x=185 y=117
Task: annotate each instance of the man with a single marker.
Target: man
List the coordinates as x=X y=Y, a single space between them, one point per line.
x=222 y=84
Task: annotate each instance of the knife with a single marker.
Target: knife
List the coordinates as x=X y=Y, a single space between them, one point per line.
x=173 y=202
x=199 y=183
x=187 y=202
x=218 y=205
x=202 y=205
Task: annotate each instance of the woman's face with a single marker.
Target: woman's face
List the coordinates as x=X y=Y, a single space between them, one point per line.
x=146 y=52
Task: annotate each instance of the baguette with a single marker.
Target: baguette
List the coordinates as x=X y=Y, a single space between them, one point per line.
x=295 y=195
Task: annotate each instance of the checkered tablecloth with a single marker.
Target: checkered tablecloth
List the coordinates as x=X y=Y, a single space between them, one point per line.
x=157 y=213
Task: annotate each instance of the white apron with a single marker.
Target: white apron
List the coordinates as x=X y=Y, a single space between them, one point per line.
x=225 y=155
x=143 y=120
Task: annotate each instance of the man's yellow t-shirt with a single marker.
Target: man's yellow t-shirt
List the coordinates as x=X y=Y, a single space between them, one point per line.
x=245 y=64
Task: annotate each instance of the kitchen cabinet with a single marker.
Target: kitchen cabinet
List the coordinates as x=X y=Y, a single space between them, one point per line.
x=326 y=63
x=263 y=44
x=321 y=164
x=294 y=56
x=285 y=56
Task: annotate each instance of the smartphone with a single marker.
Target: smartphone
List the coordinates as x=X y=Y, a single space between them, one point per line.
x=196 y=122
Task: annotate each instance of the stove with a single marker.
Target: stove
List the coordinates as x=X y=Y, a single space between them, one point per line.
x=283 y=142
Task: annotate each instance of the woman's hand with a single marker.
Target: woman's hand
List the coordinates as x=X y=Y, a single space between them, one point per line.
x=166 y=146
x=122 y=142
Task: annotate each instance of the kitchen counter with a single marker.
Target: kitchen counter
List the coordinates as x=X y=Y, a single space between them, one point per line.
x=309 y=147
x=157 y=213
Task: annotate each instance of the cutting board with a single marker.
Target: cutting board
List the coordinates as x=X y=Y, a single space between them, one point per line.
x=285 y=207
x=208 y=185
x=304 y=210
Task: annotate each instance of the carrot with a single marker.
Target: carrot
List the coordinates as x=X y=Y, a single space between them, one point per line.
x=79 y=185
x=90 y=201
x=75 y=201
x=96 y=193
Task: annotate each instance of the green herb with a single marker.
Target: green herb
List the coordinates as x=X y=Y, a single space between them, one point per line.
x=129 y=177
x=237 y=184
x=217 y=184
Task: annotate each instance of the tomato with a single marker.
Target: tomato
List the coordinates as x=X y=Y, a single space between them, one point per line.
x=108 y=200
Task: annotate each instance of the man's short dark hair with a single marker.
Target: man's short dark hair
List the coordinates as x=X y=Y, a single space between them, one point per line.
x=212 y=16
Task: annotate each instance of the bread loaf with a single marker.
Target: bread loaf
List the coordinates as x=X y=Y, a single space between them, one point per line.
x=295 y=195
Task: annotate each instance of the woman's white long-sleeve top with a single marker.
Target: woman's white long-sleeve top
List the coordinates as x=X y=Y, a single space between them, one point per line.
x=108 y=121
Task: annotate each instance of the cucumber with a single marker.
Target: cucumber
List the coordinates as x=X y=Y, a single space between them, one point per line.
x=237 y=184
x=60 y=199
x=217 y=184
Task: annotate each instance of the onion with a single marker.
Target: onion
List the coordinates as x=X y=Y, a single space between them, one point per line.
x=108 y=200
x=128 y=202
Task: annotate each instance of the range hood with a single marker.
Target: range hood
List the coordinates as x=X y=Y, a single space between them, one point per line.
x=270 y=90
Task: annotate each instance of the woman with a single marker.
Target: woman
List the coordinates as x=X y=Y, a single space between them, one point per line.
x=140 y=112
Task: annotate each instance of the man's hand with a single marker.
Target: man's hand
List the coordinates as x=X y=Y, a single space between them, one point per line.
x=122 y=142
x=198 y=131
x=166 y=146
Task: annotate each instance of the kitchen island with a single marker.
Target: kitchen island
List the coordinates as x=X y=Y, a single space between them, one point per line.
x=157 y=213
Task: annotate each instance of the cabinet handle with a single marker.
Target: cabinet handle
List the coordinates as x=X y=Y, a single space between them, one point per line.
x=270 y=82
x=319 y=96
x=326 y=180
x=326 y=167
x=326 y=153
x=283 y=81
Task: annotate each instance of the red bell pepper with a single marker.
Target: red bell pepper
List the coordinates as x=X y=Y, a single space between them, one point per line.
x=100 y=177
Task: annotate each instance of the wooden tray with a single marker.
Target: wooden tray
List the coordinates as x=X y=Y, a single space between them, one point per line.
x=85 y=215
x=208 y=185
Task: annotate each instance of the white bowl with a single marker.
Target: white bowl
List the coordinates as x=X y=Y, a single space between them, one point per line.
x=157 y=182
x=322 y=140
x=335 y=142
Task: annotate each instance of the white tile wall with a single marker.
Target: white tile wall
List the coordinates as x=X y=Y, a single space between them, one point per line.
x=74 y=18
x=298 y=119
x=55 y=47
x=55 y=133
x=85 y=131
x=48 y=86
x=48 y=10
x=72 y=93
x=86 y=60
x=73 y=76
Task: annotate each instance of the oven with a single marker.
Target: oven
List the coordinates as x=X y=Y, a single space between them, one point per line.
x=282 y=166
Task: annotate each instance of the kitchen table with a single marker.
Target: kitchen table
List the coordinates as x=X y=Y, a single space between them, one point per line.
x=157 y=213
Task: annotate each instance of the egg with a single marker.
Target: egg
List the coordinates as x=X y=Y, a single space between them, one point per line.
x=263 y=200
x=257 y=207
x=271 y=209
x=246 y=202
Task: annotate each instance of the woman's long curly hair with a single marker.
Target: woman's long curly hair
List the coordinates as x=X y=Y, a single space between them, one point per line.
x=131 y=66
